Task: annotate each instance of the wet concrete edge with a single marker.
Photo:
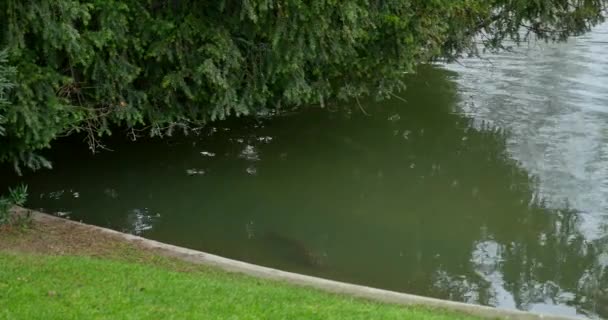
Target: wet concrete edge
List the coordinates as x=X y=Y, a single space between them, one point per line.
x=342 y=288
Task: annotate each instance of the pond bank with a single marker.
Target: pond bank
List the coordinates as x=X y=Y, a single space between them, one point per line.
x=52 y=236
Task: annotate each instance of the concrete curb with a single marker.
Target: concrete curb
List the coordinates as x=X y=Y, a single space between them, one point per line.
x=364 y=292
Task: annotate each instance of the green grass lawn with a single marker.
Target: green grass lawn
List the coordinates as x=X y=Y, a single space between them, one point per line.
x=76 y=287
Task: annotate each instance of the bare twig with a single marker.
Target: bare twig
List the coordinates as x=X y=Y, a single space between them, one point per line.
x=398 y=97
x=361 y=107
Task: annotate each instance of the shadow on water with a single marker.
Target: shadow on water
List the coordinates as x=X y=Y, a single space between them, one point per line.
x=413 y=198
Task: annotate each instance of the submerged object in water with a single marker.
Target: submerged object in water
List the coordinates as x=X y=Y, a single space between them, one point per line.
x=293 y=250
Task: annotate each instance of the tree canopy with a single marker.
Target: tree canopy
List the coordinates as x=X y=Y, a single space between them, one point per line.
x=96 y=65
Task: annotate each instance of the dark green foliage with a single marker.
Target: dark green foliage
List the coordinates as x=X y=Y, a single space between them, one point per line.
x=15 y=197
x=5 y=85
x=92 y=65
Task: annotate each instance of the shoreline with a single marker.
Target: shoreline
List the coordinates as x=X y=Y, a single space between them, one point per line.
x=95 y=233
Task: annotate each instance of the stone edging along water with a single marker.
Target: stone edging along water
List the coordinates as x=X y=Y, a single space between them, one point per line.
x=353 y=290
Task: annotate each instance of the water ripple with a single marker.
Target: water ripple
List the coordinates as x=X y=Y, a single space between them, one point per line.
x=553 y=101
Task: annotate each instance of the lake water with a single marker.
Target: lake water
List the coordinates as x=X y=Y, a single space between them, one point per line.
x=487 y=182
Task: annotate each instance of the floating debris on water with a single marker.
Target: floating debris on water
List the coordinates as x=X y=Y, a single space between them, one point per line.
x=252 y=170
x=111 y=193
x=266 y=139
x=250 y=153
x=195 y=172
x=249 y=228
x=141 y=220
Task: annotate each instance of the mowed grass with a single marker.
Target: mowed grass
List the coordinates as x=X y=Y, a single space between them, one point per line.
x=80 y=287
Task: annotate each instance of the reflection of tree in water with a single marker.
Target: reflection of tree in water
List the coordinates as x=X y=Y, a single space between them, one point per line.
x=556 y=264
x=522 y=251
x=484 y=238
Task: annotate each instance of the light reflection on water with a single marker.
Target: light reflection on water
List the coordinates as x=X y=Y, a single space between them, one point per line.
x=553 y=100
